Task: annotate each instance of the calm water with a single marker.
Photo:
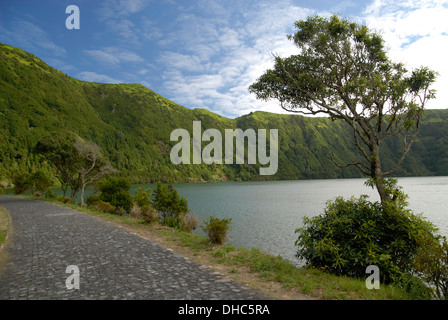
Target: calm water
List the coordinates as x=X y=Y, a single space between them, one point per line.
x=266 y=214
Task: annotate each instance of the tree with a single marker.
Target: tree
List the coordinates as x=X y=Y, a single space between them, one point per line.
x=78 y=163
x=40 y=181
x=59 y=149
x=173 y=207
x=93 y=166
x=142 y=197
x=431 y=263
x=343 y=71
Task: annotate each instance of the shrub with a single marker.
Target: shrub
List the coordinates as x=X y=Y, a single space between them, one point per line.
x=172 y=207
x=431 y=263
x=63 y=199
x=40 y=181
x=135 y=212
x=189 y=222
x=355 y=233
x=115 y=190
x=37 y=194
x=149 y=214
x=120 y=211
x=414 y=286
x=49 y=194
x=104 y=207
x=142 y=197
x=121 y=199
x=3 y=185
x=217 y=229
x=21 y=182
x=93 y=199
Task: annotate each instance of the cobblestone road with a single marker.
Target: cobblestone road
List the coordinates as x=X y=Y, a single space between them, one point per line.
x=113 y=264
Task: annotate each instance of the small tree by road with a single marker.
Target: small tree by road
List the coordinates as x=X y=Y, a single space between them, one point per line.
x=78 y=163
x=93 y=166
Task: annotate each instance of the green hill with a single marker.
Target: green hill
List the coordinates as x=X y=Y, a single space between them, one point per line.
x=132 y=124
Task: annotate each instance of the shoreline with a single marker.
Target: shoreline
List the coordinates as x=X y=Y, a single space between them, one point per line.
x=274 y=276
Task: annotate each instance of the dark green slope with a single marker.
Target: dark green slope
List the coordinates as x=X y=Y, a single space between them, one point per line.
x=132 y=124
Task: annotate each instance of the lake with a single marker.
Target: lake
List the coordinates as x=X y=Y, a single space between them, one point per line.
x=266 y=214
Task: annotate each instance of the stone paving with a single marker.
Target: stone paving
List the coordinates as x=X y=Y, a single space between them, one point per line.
x=45 y=239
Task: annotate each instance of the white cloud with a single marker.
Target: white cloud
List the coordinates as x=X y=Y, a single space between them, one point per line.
x=103 y=57
x=30 y=37
x=118 y=16
x=125 y=28
x=229 y=38
x=228 y=55
x=416 y=33
x=112 y=9
x=96 y=77
x=178 y=61
x=149 y=30
x=112 y=56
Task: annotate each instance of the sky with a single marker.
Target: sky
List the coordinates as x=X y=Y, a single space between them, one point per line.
x=205 y=54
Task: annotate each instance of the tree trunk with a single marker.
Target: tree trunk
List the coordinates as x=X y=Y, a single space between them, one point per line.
x=384 y=195
x=82 y=194
x=377 y=174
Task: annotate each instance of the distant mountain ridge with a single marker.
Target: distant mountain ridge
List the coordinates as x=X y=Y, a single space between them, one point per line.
x=132 y=125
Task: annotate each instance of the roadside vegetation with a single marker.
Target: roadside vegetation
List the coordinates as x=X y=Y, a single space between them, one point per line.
x=4 y=222
x=273 y=275
x=4 y=229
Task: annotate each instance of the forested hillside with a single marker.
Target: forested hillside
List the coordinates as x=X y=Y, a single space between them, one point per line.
x=132 y=125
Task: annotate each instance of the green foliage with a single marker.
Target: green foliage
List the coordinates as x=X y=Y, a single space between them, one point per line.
x=149 y=214
x=93 y=199
x=412 y=285
x=142 y=197
x=21 y=182
x=58 y=148
x=217 y=229
x=49 y=194
x=63 y=199
x=172 y=207
x=115 y=190
x=353 y=234
x=431 y=263
x=104 y=207
x=40 y=181
x=37 y=181
x=120 y=211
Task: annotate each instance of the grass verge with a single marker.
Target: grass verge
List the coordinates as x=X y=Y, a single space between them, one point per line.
x=272 y=275
x=4 y=221
x=4 y=226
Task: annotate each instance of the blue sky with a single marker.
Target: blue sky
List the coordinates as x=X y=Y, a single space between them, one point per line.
x=205 y=54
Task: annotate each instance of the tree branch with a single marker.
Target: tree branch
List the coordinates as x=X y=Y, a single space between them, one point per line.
x=362 y=167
